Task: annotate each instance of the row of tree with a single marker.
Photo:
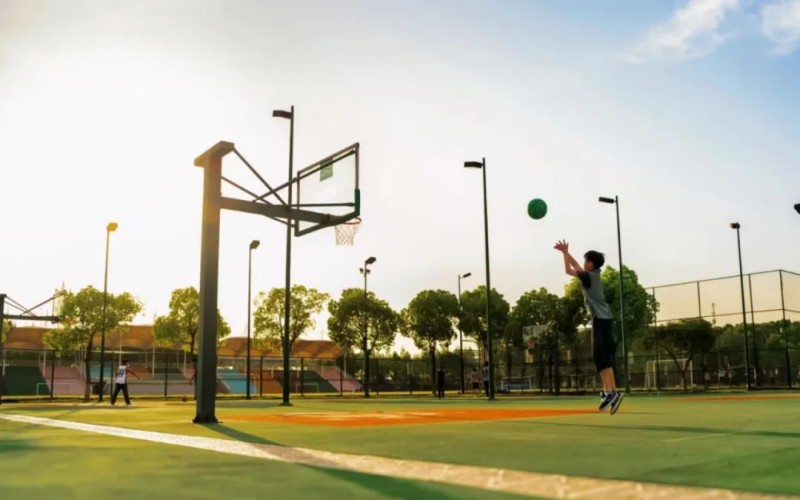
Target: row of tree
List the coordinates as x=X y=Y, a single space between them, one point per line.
x=364 y=323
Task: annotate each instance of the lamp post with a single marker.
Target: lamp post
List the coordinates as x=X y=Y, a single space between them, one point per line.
x=737 y=227
x=289 y=115
x=365 y=271
x=615 y=202
x=460 y=333
x=253 y=245
x=110 y=228
x=489 y=338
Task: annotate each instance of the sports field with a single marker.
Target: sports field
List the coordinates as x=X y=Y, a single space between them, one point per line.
x=406 y=448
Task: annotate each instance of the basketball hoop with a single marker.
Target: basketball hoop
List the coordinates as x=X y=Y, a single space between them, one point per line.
x=346 y=231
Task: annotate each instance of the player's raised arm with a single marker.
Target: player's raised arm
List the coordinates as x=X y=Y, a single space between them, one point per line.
x=571 y=266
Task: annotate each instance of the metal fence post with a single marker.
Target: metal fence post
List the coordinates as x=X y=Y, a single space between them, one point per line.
x=166 y=373
x=52 y=374
x=341 y=379
x=261 y=378
x=785 y=335
x=302 y=377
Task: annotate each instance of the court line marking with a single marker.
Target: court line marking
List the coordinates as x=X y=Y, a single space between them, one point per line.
x=484 y=478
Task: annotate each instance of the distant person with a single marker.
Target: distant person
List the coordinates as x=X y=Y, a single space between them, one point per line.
x=193 y=378
x=440 y=383
x=486 y=377
x=122 y=383
x=475 y=378
x=604 y=345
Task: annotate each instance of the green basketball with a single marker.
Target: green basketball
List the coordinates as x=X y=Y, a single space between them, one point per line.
x=537 y=208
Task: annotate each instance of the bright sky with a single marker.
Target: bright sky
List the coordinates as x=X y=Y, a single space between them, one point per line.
x=688 y=110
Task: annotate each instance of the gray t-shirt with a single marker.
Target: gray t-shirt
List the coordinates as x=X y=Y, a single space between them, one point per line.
x=593 y=294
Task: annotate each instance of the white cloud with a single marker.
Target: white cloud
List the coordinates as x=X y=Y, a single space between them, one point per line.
x=692 y=32
x=780 y=22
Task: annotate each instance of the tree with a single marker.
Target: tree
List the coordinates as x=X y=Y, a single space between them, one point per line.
x=363 y=322
x=473 y=314
x=640 y=306
x=4 y=331
x=82 y=318
x=535 y=307
x=269 y=314
x=429 y=320
x=685 y=337
x=182 y=323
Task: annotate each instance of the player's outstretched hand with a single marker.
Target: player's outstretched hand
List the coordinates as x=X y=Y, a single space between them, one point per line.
x=562 y=246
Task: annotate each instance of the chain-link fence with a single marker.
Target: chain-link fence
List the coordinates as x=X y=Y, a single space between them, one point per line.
x=165 y=373
x=771 y=355
x=771 y=317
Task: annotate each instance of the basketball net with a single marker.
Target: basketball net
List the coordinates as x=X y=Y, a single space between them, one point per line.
x=346 y=231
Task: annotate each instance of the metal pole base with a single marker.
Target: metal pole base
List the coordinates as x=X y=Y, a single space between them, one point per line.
x=205 y=419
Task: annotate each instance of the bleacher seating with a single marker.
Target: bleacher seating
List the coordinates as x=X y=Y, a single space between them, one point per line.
x=24 y=380
x=334 y=377
x=235 y=381
x=313 y=382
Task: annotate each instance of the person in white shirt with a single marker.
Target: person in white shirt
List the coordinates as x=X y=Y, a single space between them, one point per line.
x=122 y=383
x=476 y=381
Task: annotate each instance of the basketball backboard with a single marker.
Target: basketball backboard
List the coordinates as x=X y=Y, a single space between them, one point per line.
x=329 y=186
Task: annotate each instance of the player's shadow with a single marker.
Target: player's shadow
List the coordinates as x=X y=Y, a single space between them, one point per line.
x=387 y=486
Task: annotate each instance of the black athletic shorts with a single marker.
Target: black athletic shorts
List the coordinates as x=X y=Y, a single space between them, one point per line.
x=604 y=347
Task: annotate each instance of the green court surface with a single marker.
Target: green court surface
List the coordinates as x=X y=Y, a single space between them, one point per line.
x=746 y=443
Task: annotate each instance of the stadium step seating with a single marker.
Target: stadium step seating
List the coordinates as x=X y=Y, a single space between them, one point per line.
x=24 y=380
x=67 y=380
x=313 y=382
x=334 y=377
x=236 y=381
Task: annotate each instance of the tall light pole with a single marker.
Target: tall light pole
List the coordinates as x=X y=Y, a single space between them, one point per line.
x=365 y=271
x=253 y=245
x=289 y=115
x=460 y=333
x=615 y=202
x=489 y=338
x=737 y=227
x=110 y=228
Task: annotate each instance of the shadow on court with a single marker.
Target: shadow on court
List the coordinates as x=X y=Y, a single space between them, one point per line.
x=679 y=429
x=386 y=486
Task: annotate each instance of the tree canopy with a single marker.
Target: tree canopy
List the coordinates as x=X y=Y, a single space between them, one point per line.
x=429 y=320
x=268 y=317
x=182 y=323
x=362 y=322
x=682 y=340
x=82 y=318
x=473 y=314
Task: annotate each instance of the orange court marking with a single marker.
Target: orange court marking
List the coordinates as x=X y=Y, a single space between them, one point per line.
x=362 y=419
x=743 y=398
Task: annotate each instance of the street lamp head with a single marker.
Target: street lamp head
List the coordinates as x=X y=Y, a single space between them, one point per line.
x=111 y=227
x=797 y=207
x=735 y=225
x=282 y=114
x=371 y=260
x=473 y=164
x=603 y=199
x=466 y=275
x=254 y=244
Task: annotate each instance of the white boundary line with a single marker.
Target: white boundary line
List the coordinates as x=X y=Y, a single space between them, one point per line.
x=491 y=479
